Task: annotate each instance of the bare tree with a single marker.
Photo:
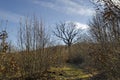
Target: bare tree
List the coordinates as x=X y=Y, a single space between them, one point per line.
x=32 y=35
x=108 y=8
x=33 y=39
x=105 y=29
x=67 y=32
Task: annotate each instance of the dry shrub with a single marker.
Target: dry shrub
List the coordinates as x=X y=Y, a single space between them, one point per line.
x=8 y=66
x=22 y=65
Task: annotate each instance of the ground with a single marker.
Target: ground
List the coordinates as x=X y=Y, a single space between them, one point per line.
x=69 y=72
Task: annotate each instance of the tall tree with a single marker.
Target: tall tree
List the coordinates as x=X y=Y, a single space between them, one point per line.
x=32 y=35
x=33 y=39
x=67 y=32
x=105 y=29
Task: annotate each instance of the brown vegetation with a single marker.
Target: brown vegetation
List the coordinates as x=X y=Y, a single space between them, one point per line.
x=99 y=57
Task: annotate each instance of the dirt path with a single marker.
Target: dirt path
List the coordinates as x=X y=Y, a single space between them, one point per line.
x=69 y=72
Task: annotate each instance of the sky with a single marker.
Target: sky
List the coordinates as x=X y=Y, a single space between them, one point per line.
x=50 y=11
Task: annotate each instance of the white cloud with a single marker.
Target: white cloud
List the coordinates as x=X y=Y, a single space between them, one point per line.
x=67 y=6
x=12 y=17
x=79 y=25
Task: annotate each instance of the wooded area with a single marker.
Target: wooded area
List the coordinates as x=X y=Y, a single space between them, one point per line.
x=37 y=57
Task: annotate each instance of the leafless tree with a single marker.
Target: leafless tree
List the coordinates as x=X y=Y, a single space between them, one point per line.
x=32 y=35
x=32 y=39
x=105 y=29
x=67 y=32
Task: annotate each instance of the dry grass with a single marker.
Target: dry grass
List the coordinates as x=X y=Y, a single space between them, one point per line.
x=69 y=72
